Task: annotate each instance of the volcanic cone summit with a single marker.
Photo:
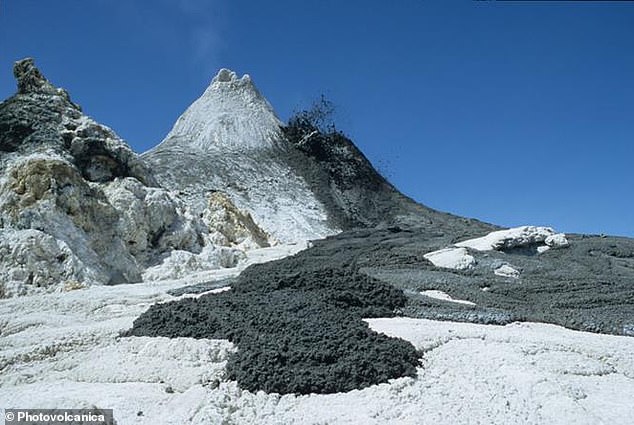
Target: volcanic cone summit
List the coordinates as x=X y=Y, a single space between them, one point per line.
x=231 y=114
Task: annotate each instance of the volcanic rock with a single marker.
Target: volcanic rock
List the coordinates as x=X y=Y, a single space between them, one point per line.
x=76 y=203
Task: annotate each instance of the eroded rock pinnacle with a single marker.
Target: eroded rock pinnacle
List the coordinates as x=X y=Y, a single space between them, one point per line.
x=30 y=79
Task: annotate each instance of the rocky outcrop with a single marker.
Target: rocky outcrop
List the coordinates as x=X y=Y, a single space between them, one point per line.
x=78 y=205
x=42 y=118
x=517 y=237
x=153 y=220
x=232 y=227
x=31 y=261
x=30 y=80
x=529 y=239
x=100 y=155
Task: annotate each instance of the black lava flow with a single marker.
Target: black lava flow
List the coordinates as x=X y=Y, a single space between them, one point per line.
x=297 y=330
x=297 y=321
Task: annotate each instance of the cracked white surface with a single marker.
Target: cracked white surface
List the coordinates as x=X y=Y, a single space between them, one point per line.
x=520 y=373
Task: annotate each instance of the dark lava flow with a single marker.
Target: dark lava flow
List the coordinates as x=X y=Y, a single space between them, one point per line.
x=297 y=330
x=297 y=321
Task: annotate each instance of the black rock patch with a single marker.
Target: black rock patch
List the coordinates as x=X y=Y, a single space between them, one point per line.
x=296 y=331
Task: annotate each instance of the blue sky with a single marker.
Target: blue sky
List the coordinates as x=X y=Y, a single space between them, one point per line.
x=510 y=112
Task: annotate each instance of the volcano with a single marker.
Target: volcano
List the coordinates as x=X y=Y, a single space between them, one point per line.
x=247 y=270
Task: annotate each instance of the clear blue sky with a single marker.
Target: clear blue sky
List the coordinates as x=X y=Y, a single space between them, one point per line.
x=510 y=112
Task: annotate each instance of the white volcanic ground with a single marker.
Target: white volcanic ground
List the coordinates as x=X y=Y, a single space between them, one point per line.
x=62 y=350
